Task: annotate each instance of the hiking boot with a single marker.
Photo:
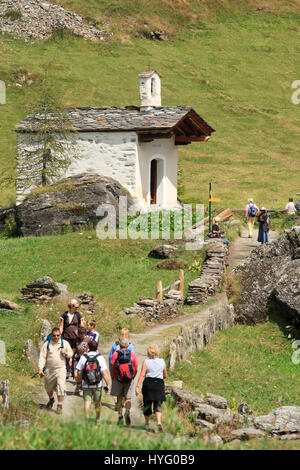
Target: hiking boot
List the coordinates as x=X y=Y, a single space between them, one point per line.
x=159 y=427
x=98 y=421
x=59 y=409
x=120 y=420
x=127 y=418
x=50 y=403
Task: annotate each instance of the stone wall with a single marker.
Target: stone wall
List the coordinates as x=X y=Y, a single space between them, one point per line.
x=153 y=309
x=205 y=286
x=215 y=318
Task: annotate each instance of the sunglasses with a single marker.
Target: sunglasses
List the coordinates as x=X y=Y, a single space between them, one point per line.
x=55 y=336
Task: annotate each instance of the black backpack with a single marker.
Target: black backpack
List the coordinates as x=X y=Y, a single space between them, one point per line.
x=124 y=366
x=91 y=373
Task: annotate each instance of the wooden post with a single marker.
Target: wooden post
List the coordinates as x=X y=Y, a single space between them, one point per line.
x=159 y=292
x=181 y=279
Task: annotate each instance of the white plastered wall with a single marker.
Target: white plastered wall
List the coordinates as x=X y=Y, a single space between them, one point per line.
x=165 y=152
x=112 y=154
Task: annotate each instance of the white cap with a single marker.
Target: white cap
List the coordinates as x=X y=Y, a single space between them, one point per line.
x=263 y=209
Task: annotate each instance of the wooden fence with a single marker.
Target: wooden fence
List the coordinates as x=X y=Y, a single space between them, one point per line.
x=160 y=290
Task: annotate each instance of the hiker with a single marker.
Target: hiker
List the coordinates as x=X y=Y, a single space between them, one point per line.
x=90 y=372
x=69 y=324
x=124 y=365
x=52 y=365
x=217 y=233
x=152 y=375
x=250 y=214
x=290 y=208
x=264 y=224
x=116 y=347
x=92 y=333
x=81 y=346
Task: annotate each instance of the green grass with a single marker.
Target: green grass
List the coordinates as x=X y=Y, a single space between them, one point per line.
x=245 y=363
x=239 y=80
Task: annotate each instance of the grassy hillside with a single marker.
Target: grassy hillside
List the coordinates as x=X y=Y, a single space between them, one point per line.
x=233 y=64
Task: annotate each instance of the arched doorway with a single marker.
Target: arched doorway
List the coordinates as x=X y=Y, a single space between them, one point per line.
x=157 y=173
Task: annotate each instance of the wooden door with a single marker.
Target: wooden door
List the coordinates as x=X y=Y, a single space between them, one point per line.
x=153 y=181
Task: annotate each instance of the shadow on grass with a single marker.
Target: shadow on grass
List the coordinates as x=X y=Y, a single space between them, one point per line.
x=289 y=326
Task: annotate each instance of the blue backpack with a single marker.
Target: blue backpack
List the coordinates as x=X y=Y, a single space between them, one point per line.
x=251 y=211
x=48 y=339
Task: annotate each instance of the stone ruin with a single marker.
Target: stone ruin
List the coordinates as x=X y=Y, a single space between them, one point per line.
x=44 y=289
x=153 y=309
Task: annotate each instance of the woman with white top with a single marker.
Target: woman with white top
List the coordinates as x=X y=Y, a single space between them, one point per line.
x=153 y=373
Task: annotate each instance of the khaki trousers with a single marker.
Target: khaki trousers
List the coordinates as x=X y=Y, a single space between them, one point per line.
x=250 y=222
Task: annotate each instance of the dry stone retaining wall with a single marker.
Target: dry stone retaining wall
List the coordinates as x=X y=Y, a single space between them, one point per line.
x=205 y=286
x=218 y=317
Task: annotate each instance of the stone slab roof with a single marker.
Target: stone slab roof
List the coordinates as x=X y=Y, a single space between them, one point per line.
x=129 y=118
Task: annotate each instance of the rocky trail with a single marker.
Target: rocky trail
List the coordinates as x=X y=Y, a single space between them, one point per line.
x=162 y=335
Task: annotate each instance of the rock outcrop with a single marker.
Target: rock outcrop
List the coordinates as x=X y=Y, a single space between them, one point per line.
x=212 y=413
x=70 y=204
x=271 y=273
x=38 y=19
x=205 y=286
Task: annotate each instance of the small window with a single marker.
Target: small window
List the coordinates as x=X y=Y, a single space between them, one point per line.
x=152 y=85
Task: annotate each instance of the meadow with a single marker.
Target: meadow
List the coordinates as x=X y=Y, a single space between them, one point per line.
x=232 y=63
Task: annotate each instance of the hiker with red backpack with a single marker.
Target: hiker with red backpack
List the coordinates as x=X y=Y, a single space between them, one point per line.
x=52 y=365
x=116 y=347
x=91 y=370
x=124 y=366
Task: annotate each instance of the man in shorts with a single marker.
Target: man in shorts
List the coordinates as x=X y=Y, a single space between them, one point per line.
x=52 y=365
x=121 y=388
x=92 y=393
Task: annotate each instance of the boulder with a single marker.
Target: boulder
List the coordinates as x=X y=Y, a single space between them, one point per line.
x=162 y=251
x=216 y=401
x=8 y=305
x=71 y=203
x=283 y=420
x=31 y=352
x=245 y=434
x=271 y=272
x=4 y=393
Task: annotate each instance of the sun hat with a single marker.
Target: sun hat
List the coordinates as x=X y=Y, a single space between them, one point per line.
x=263 y=209
x=250 y=200
x=124 y=343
